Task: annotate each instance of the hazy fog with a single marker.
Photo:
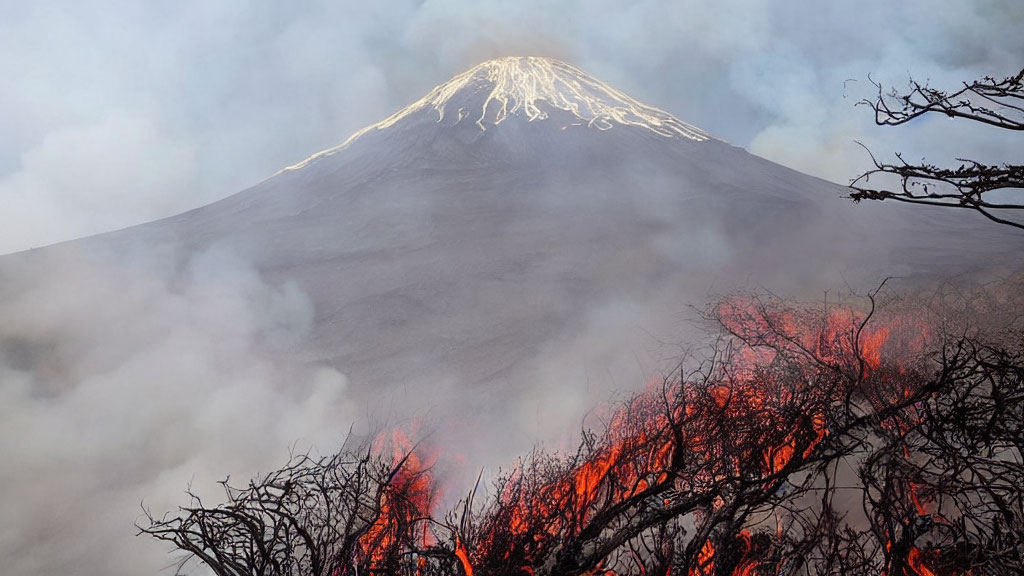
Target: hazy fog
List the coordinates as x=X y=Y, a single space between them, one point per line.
x=122 y=379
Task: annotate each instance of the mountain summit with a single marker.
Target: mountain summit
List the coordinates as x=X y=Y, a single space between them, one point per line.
x=531 y=89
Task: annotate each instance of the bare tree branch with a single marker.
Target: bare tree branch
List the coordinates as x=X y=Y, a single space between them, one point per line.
x=990 y=101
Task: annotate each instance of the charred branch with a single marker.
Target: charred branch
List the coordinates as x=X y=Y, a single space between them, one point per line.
x=997 y=102
x=351 y=513
x=971 y=185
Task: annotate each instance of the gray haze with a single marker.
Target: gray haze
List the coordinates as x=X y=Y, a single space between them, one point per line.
x=496 y=283
x=115 y=113
x=120 y=384
x=513 y=292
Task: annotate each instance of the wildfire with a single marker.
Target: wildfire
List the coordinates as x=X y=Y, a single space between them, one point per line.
x=725 y=469
x=686 y=437
x=405 y=502
x=750 y=406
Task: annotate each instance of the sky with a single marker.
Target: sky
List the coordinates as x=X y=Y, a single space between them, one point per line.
x=117 y=113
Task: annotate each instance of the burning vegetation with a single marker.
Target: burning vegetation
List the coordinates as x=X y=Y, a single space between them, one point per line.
x=877 y=438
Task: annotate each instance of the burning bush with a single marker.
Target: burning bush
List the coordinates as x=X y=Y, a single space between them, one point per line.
x=829 y=439
x=351 y=513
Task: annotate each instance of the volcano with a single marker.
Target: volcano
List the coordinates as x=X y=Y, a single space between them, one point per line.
x=501 y=254
x=525 y=215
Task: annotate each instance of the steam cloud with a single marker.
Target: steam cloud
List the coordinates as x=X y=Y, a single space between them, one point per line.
x=124 y=384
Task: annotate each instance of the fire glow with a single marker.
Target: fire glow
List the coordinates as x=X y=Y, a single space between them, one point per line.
x=724 y=469
x=644 y=442
x=638 y=450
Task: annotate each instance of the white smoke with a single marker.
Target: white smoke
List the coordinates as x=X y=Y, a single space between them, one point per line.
x=119 y=385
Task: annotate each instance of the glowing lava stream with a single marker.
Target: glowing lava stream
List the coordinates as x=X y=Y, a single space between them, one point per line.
x=517 y=86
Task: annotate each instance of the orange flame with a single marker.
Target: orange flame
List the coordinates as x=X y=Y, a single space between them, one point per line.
x=743 y=416
x=463 y=556
x=915 y=560
x=407 y=498
x=705 y=560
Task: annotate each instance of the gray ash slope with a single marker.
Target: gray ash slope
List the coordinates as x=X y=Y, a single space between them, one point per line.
x=524 y=215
